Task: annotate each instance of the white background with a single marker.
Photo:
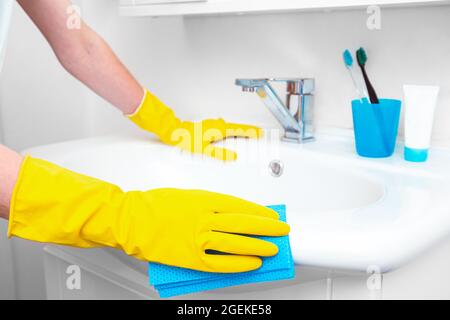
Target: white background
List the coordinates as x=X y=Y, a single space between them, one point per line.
x=191 y=64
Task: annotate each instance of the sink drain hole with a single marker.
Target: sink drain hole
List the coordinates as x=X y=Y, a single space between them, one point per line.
x=276 y=168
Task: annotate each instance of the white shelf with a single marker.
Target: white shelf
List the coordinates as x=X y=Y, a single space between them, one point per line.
x=213 y=7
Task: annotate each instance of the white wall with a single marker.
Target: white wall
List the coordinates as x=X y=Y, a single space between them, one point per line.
x=40 y=102
x=192 y=63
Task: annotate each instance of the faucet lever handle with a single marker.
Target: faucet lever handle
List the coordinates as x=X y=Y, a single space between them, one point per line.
x=298 y=86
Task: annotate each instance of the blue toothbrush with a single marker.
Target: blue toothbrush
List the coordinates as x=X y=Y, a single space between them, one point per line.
x=361 y=90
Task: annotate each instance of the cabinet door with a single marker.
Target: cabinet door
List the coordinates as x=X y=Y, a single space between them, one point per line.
x=155 y=8
x=150 y=2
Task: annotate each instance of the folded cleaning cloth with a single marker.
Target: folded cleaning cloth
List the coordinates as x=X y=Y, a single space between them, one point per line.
x=173 y=281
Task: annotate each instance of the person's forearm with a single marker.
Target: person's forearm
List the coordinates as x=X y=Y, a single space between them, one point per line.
x=85 y=55
x=10 y=163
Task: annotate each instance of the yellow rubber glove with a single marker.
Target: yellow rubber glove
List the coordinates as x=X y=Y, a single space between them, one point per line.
x=152 y=115
x=174 y=227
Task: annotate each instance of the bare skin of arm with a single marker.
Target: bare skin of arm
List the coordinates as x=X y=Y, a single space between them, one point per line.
x=85 y=55
x=10 y=163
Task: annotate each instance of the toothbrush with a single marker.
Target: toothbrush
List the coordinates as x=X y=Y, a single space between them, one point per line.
x=362 y=59
x=359 y=86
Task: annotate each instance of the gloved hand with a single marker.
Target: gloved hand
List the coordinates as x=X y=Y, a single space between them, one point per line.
x=152 y=115
x=169 y=226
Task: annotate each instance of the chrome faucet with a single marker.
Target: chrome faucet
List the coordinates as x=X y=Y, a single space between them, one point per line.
x=296 y=114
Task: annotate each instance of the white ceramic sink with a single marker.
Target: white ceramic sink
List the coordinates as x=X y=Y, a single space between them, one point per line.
x=345 y=211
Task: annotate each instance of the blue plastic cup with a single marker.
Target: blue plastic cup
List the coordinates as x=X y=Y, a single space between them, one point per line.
x=376 y=127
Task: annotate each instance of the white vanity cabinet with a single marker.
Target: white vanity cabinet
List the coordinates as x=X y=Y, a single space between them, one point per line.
x=109 y=274
x=214 y=7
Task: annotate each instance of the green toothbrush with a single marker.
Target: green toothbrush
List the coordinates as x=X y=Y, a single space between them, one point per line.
x=362 y=59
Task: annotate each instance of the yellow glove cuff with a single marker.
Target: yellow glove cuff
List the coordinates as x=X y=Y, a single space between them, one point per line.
x=154 y=116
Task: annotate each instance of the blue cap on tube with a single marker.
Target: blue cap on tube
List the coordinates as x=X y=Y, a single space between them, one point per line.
x=416 y=155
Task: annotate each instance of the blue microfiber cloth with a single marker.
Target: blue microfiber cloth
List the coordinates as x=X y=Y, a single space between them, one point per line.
x=173 y=281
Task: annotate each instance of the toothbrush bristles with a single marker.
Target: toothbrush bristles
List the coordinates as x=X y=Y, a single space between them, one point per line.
x=348 y=59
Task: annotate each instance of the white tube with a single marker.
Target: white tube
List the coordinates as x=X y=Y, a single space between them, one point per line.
x=420 y=103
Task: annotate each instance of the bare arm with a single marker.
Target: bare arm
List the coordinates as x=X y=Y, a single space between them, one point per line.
x=85 y=55
x=10 y=163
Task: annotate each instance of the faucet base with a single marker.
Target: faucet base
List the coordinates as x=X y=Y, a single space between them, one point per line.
x=298 y=140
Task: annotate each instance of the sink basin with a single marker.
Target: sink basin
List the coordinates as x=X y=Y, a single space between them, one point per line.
x=345 y=212
x=307 y=186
